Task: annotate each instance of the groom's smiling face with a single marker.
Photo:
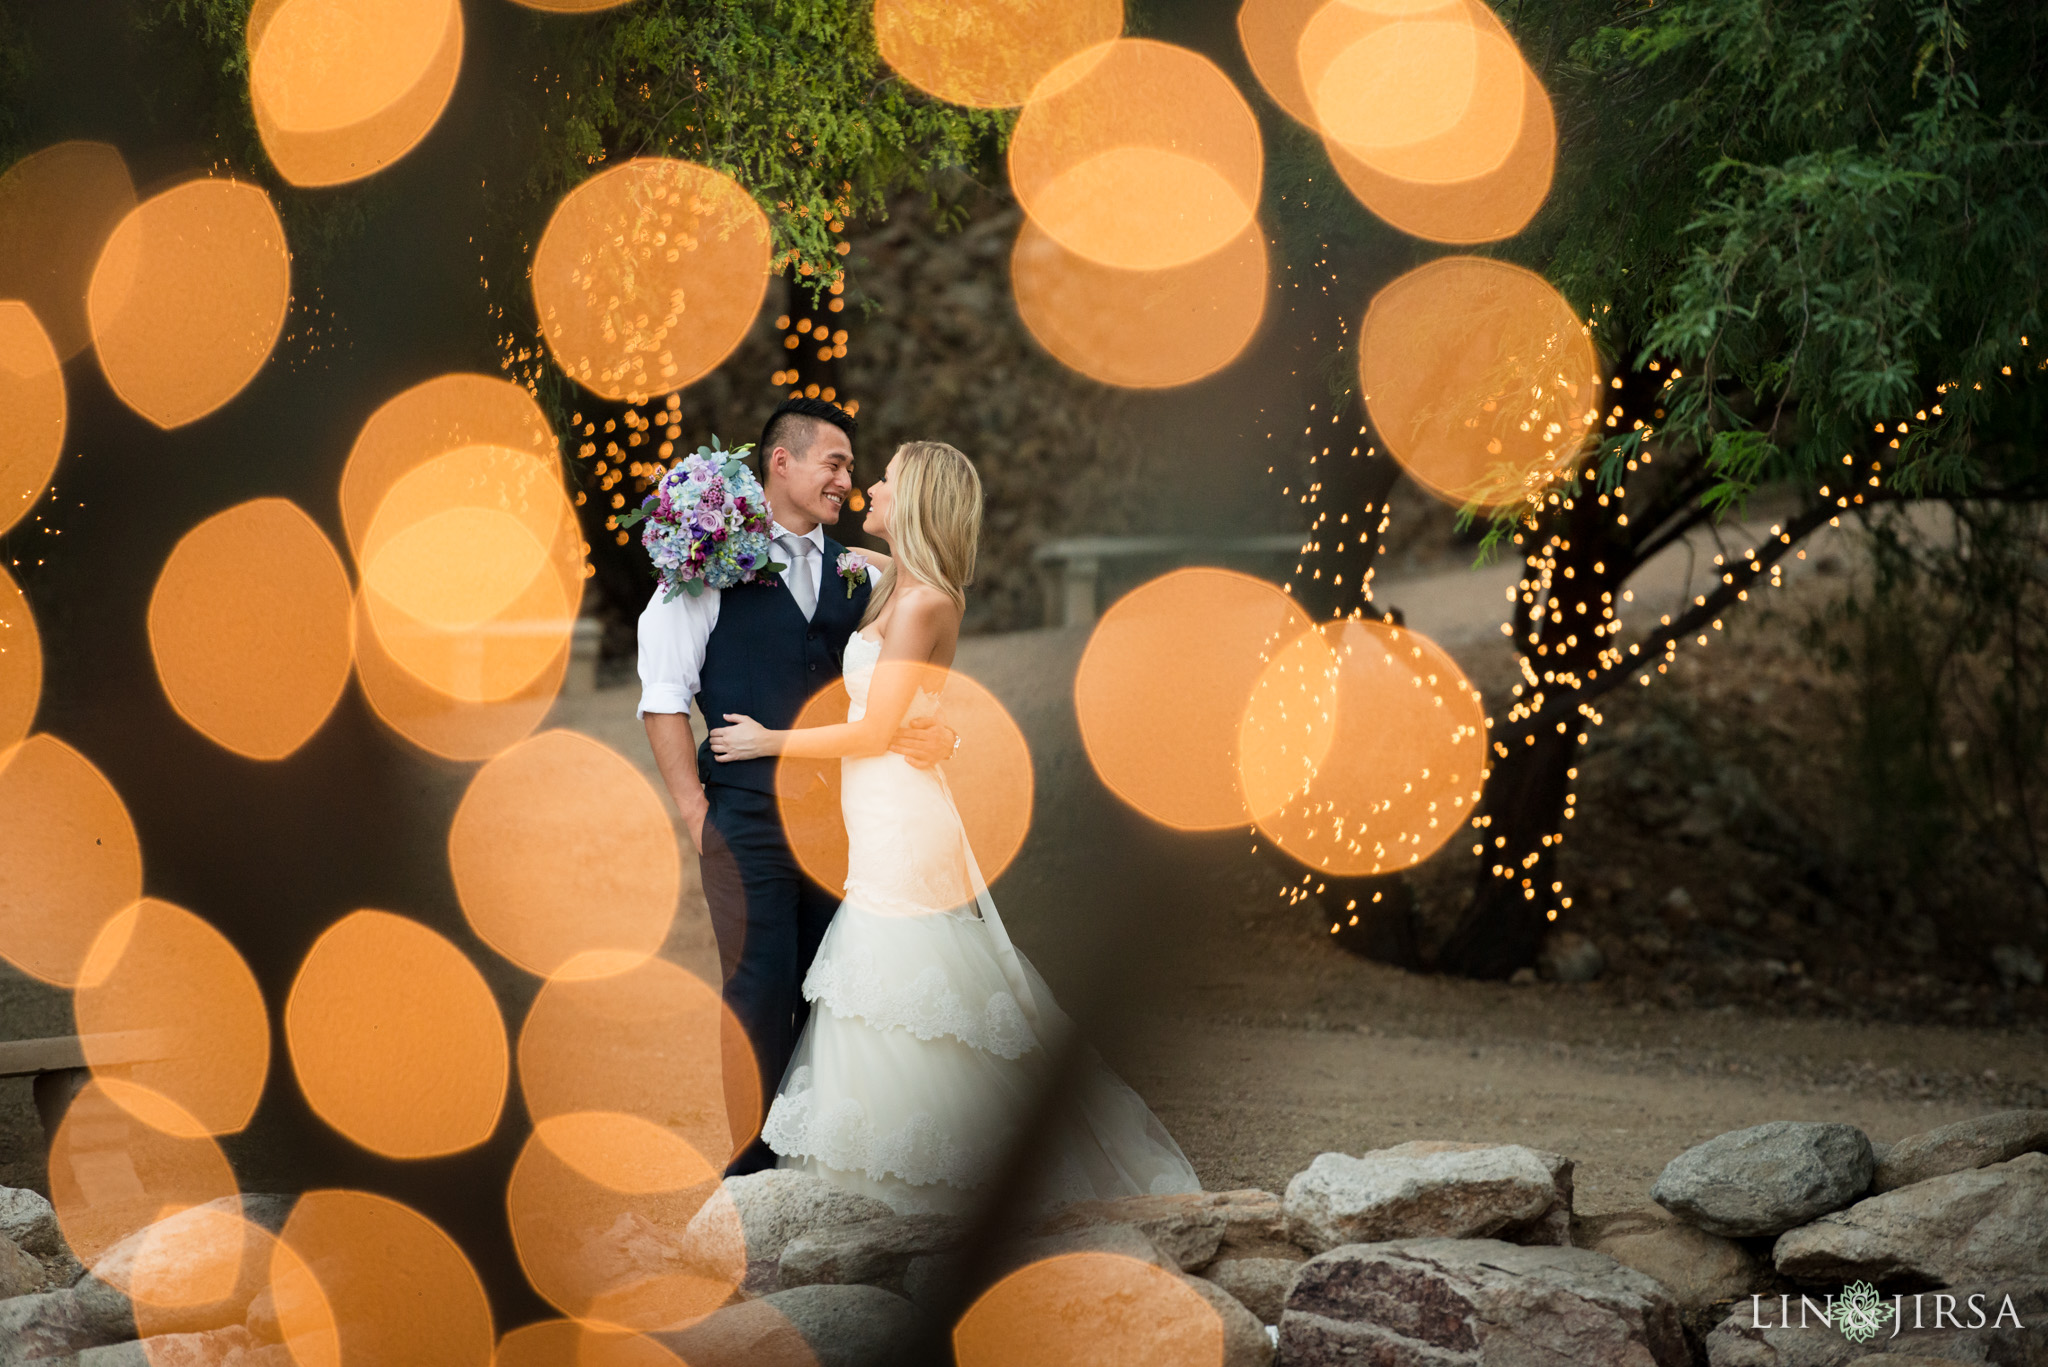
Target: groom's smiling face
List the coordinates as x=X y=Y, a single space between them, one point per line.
x=811 y=482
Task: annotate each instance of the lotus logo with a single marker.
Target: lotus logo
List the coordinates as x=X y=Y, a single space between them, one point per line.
x=1859 y=1312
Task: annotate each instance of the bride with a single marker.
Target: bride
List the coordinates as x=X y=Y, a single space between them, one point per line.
x=931 y=1041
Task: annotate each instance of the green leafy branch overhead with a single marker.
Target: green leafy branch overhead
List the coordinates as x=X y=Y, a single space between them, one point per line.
x=788 y=97
x=1829 y=216
x=791 y=99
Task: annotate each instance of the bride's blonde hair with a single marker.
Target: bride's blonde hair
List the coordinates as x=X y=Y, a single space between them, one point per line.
x=934 y=522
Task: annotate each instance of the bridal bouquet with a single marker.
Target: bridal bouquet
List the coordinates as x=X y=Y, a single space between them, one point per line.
x=706 y=523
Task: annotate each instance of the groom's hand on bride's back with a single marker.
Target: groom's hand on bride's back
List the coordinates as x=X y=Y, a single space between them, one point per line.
x=924 y=742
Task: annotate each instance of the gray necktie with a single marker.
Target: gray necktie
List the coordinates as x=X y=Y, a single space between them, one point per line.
x=802 y=585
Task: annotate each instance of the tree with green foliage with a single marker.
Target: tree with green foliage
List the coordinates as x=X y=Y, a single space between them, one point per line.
x=788 y=97
x=1812 y=241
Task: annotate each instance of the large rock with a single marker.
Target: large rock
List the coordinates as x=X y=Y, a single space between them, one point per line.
x=1255 y=1226
x=1766 y=1179
x=1259 y=1284
x=21 y=1274
x=1698 y=1269
x=219 y=1348
x=870 y=1253
x=807 y=1326
x=53 y=1323
x=1766 y=1331
x=29 y=1220
x=1474 y=1302
x=1431 y=1190
x=195 y=1240
x=1966 y=1144
x=1975 y=1226
x=777 y=1205
x=1189 y=1228
x=1245 y=1343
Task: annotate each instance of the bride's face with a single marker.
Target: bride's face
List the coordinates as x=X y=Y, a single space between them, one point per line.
x=880 y=500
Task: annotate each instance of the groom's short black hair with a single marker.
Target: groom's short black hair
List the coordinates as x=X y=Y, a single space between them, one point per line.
x=790 y=417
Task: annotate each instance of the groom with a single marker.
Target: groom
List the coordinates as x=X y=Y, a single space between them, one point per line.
x=762 y=648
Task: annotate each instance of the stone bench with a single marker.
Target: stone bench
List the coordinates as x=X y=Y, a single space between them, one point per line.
x=1074 y=565
x=58 y=1067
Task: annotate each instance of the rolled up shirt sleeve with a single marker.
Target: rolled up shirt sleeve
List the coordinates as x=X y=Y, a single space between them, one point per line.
x=673 y=637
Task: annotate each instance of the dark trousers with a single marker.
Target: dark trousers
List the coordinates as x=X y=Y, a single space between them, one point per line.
x=769 y=917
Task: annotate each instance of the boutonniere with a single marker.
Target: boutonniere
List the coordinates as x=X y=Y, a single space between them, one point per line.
x=853 y=568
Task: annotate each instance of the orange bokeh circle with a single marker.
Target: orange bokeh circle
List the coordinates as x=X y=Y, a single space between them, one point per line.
x=342 y=88
x=648 y=276
x=654 y=1041
x=1481 y=207
x=69 y=859
x=988 y=53
x=620 y=1223
x=1480 y=378
x=447 y=726
x=57 y=208
x=989 y=778
x=423 y=425
x=112 y=1177
x=188 y=298
x=572 y=6
x=1162 y=690
x=32 y=397
x=157 y=971
x=472 y=571
x=21 y=665
x=1408 y=760
x=1270 y=33
x=1434 y=96
x=566 y=1343
x=562 y=849
x=1138 y=155
x=1478 y=180
x=426 y=422
x=358 y=1278
x=251 y=625
x=396 y=1039
x=1485 y=208
x=1140 y=329
x=191 y=1271
x=1089 y=1310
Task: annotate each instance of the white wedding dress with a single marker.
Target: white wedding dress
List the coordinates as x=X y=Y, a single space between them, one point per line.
x=930 y=1037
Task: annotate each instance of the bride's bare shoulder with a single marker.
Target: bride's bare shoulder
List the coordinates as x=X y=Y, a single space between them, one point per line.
x=926 y=603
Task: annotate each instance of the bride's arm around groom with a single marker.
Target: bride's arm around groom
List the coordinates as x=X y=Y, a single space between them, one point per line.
x=924 y=626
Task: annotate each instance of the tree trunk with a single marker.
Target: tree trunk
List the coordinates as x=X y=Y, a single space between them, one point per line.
x=1575 y=559
x=1503 y=926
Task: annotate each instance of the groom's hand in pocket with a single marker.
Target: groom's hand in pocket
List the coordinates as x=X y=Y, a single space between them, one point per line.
x=924 y=742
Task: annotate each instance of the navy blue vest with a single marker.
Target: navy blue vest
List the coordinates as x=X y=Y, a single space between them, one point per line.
x=765 y=661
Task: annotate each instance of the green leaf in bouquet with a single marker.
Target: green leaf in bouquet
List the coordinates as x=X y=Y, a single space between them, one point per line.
x=632 y=519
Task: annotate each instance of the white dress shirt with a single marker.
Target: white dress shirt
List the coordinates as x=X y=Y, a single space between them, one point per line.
x=674 y=636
